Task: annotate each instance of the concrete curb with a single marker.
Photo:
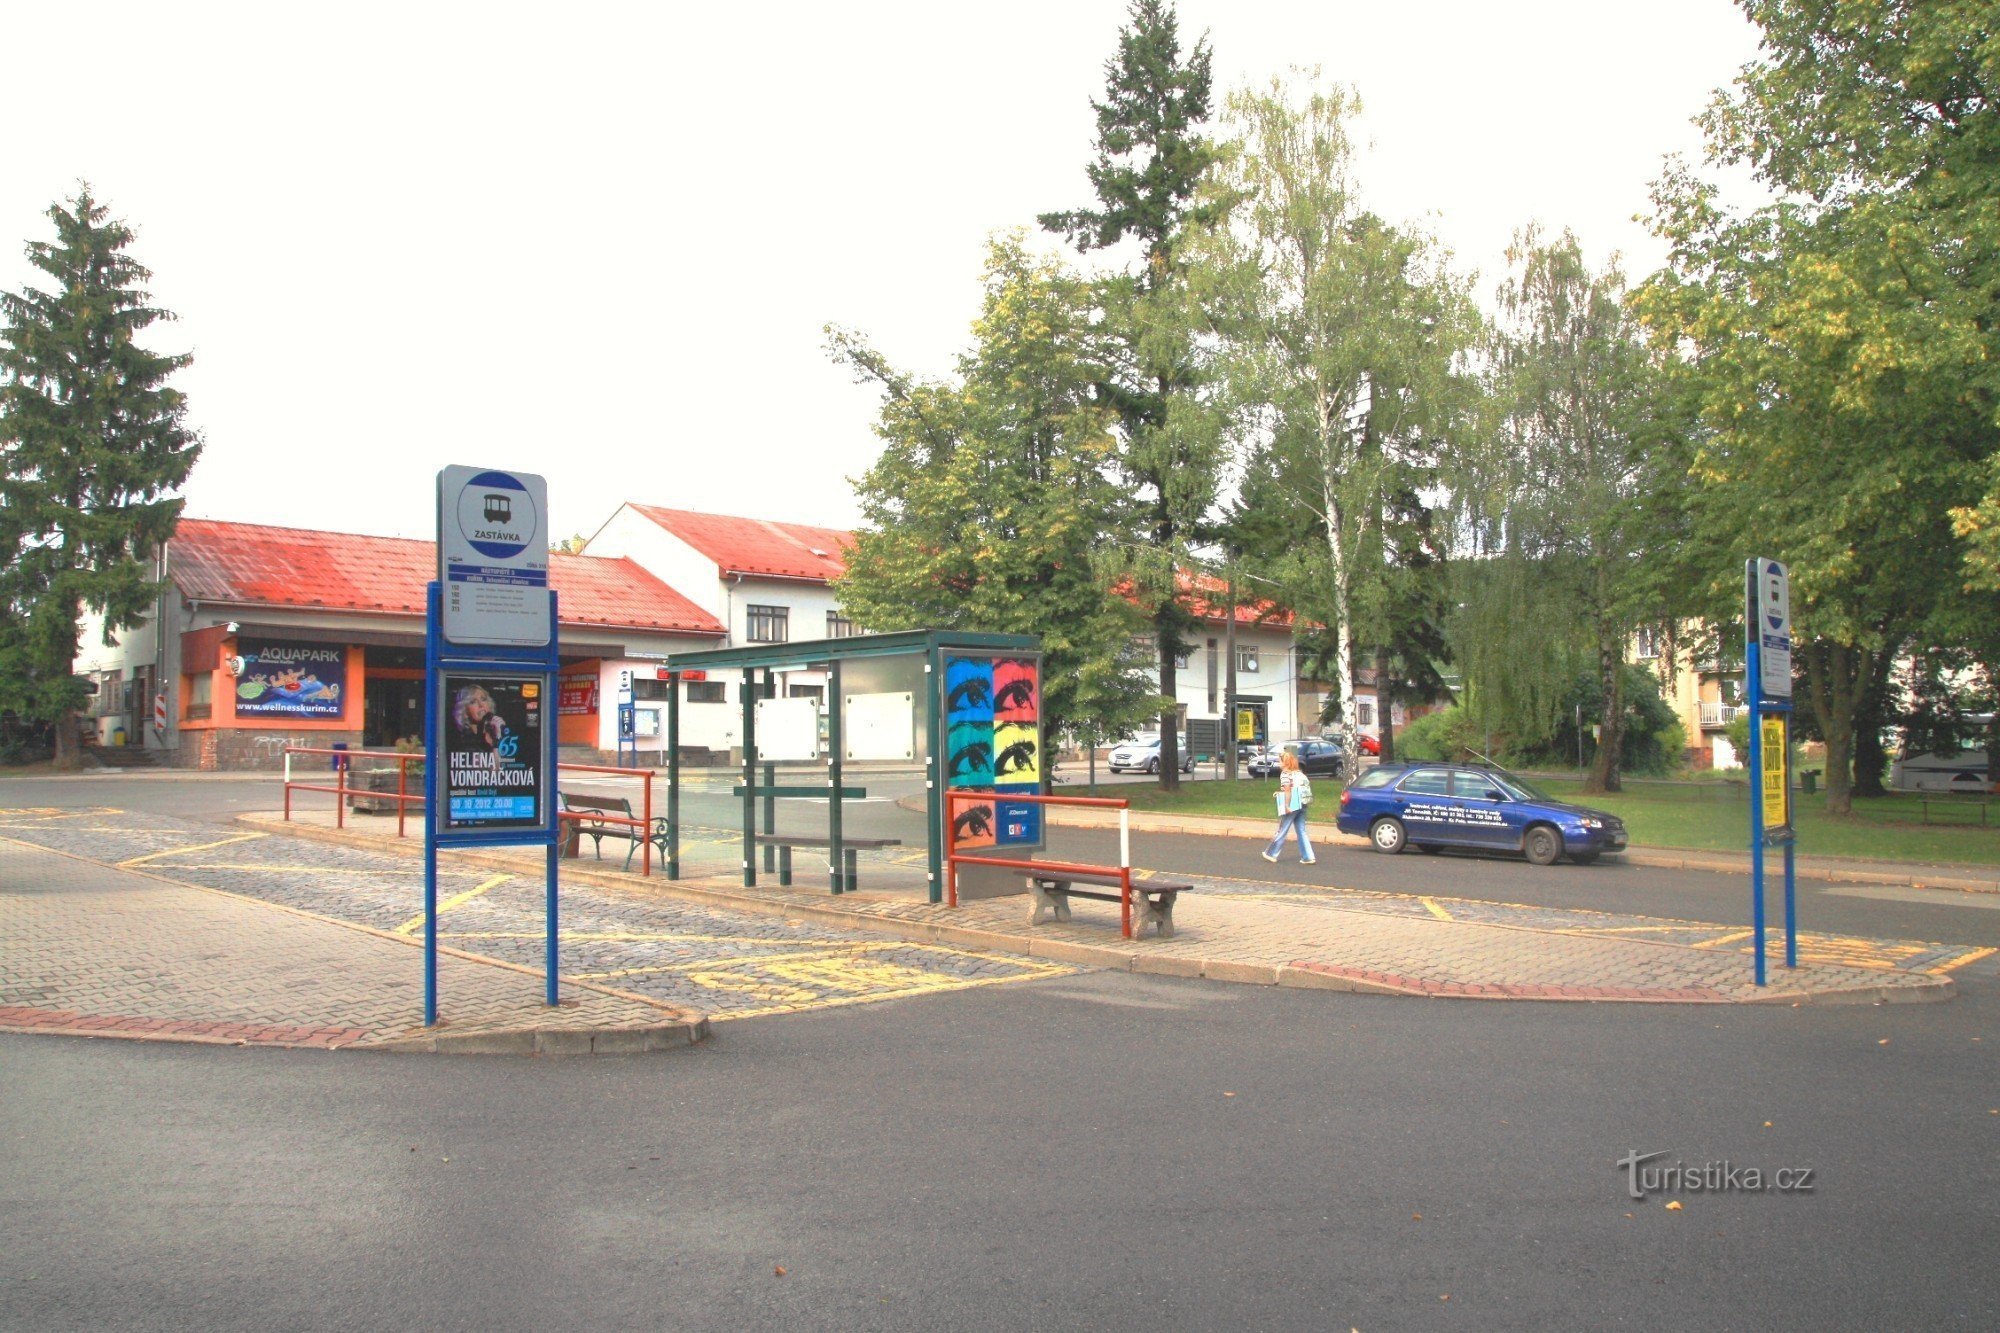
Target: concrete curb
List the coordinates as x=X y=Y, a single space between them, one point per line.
x=550 y=1041
x=1131 y=955
x=1962 y=879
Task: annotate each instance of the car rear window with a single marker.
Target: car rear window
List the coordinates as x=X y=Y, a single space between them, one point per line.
x=1427 y=782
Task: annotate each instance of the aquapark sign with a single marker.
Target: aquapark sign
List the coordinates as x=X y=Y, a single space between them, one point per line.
x=289 y=679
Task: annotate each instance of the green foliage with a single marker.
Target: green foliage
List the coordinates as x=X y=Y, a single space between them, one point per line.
x=1151 y=157
x=1448 y=734
x=1341 y=340
x=94 y=441
x=1843 y=340
x=990 y=503
x=1577 y=495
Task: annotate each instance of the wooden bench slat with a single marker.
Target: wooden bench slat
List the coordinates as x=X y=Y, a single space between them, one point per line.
x=1151 y=884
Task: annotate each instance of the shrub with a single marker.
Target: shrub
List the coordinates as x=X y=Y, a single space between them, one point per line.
x=1435 y=736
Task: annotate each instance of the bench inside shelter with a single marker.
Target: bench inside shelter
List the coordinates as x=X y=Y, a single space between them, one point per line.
x=784 y=842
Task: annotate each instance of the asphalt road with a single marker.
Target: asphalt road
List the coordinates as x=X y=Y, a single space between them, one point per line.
x=1094 y=1151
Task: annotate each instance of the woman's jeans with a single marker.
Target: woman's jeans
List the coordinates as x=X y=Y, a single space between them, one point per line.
x=1293 y=822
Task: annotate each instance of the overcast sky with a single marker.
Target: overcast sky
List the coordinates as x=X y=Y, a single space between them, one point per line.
x=600 y=241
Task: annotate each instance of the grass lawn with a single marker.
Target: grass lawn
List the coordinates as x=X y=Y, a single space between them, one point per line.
x=1706 y=816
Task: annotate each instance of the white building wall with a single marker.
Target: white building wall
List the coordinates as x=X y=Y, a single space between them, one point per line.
x=666 y=557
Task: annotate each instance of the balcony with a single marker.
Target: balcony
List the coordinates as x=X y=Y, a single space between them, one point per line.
x=1719 y=715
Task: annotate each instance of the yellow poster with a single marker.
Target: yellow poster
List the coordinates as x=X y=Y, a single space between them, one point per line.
x=1777 y=787
x=1246 y=724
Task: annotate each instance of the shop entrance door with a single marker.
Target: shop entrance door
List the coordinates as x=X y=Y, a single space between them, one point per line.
x=394 y=711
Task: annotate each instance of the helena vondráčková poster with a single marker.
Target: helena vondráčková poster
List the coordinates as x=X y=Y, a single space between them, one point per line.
x=993 y=740
x=493 y=771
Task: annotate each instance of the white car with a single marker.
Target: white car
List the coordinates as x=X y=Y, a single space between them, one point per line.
x=1142 y=754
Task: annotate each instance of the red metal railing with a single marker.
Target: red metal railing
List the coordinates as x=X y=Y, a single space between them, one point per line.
x=641 y=825
x=953 y=858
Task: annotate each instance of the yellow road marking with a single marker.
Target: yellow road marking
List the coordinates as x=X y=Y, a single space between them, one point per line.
x=1731 y=937
x=410 y=926
x=1431 y=906
x=320 y=870
x=183 y=851
x=639 y=937
x=1972 y=957
x=48 y=812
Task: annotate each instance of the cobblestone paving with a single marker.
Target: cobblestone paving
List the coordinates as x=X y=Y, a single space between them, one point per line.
x=87 y=948
x=1911 y=955
x=722 y=963
x=1251 y=929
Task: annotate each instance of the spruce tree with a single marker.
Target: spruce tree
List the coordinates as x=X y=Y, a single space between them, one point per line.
x=1151 y=157
x=95 y=442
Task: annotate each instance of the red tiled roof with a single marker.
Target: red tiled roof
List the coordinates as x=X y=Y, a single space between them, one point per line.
x=252 y=564
x=1207 y=598
x=757 y=546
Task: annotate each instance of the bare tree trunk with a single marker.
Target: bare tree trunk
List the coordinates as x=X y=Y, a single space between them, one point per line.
x=1834 y=677
x=1170 y=719
x=1385 y=717
x=68 y=751
x=1610 y=719
x=1870 y=756
x=1343 y=628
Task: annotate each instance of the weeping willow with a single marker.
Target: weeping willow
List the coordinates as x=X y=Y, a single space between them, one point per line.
x=1516 y=637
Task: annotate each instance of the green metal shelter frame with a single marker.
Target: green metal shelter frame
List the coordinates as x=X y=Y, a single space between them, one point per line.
x=928 y=646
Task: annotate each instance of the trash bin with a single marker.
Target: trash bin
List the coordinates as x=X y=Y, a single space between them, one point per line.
x=339 y=759
x=1810 y=777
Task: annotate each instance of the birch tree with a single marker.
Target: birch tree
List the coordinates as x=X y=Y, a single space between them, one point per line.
x=1343 y=337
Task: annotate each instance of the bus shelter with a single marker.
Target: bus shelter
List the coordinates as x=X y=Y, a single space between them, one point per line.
x=903 y=719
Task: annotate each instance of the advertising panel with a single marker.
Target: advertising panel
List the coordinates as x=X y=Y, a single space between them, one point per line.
x=576 y=695
x=1776 y=778
x=993 y=743
x=494 y=775
x=289 y=679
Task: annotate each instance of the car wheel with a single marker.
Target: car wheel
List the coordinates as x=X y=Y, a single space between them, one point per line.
x=1152 y=765
x=1542 y=845
x=1386 y=835
x=1429 y=848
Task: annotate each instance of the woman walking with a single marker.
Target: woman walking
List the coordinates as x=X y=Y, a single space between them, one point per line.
x=1294 y=796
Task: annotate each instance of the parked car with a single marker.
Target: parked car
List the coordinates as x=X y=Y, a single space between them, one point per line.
x=1142 y=754
x=1435 y=806
x=1318 y=757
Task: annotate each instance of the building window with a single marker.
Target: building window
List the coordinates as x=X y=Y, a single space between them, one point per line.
x=1183 y=660
x=817 y=693
x=644 y=689
x=1364 y=712
x=770 y=624
x=1648 y=646
x=839 y=626
x=1246 y=659
x=200 y=695
x=705 y=692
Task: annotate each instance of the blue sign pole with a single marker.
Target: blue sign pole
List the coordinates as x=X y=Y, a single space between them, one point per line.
x=1754 y=679
x=433 y=786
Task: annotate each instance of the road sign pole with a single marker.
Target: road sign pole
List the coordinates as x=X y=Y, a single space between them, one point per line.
x=1756 y=799
x=432 y=786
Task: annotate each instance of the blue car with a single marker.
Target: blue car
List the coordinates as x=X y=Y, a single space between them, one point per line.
x=1435 y=806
